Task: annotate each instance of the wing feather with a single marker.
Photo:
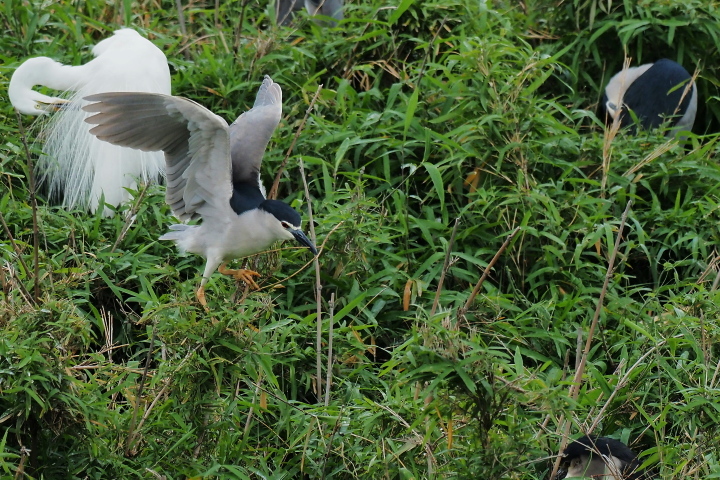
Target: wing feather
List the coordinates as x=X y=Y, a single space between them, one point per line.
x=251 y=132
x=195 y=142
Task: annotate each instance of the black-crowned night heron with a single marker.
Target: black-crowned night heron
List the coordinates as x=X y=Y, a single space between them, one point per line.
x=285 y=9
x=76 y=166
x=654 y=92
x=213 y=171
x=600 y=458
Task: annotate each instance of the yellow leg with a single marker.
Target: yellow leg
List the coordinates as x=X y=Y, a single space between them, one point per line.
x=241 y=274
x=201 y=297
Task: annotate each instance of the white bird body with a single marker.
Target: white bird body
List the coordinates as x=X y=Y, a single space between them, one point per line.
x=600 y=467
x=77 y=166
x=221 y=241
x=41 y=71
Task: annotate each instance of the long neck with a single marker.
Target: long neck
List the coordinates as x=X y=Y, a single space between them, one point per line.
x=42 y=71
x=49 y=73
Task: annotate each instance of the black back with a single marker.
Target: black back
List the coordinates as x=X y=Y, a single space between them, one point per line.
x=588 y=445
x=655 y=95
x=245 y=196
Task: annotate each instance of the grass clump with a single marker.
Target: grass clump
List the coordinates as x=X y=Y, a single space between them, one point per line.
x=429 y=112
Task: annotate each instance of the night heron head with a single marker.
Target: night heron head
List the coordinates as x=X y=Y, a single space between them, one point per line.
x=286 y=223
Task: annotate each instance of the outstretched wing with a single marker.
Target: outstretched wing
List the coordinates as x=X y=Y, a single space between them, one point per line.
x=195 y=142
x=251 y=132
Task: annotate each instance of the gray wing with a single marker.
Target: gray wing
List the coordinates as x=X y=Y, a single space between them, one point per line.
x=251 y=132
x=329 y=8
x=285 y=9
x=195 y=142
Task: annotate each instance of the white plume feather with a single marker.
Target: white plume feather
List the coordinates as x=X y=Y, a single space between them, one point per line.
x=76 y=166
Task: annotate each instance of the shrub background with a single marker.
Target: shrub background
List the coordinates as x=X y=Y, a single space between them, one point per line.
x=430 y=111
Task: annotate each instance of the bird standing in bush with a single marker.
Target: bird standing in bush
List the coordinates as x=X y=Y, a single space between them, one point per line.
x=213 y=171
x=600 y=458
x=76 y=166
x=654 y=93
x=285 y=10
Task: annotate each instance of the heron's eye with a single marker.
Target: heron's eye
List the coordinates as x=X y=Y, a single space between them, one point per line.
x=285 y=224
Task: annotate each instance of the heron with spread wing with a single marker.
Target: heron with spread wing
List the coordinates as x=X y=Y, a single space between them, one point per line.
x=213 y=171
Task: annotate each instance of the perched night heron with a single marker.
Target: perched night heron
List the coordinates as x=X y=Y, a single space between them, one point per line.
x=76 y=166
x=654 y=92
x=213 y=171
x=600 y=458
x=285 y=9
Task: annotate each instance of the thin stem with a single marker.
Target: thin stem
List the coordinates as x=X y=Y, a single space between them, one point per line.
x=318 y=286
x=331 y=320
x=33 y=206
x=20 y=258
x=610 y=134
x=131 y=431
x=486 y=273
x=238 y=30
x=320 y=250
x=130 y=218
x=183 y=28
x=446 y=265
x=575 y=386
x=248 y=419
x=577 y=380
x=621 y=383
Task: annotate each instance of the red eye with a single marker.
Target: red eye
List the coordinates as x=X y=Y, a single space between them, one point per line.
x=285 y=224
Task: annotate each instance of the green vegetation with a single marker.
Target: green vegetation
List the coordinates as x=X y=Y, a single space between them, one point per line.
x=430 y=111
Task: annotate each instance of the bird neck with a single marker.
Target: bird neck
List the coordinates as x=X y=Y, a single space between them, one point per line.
x=41 y=71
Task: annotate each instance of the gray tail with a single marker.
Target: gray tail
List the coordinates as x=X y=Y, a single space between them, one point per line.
x=179 y=232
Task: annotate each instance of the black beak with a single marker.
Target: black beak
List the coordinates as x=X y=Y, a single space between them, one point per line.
x=304 y=240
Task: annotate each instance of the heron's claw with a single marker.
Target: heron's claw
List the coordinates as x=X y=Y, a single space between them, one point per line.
x=241 y=274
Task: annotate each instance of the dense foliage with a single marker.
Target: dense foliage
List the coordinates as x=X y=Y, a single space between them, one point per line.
x=430 y=111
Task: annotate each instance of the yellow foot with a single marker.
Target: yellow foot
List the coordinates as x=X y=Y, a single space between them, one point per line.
x=241 y=274
x=201 y=298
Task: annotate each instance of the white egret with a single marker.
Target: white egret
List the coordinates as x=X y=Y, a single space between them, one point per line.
x=77 y=167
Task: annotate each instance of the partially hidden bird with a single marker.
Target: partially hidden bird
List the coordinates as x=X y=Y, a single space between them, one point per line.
x=655 y=93
x=213 y=172
x=600 y=458
x=285 y=10
x=76 y=166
